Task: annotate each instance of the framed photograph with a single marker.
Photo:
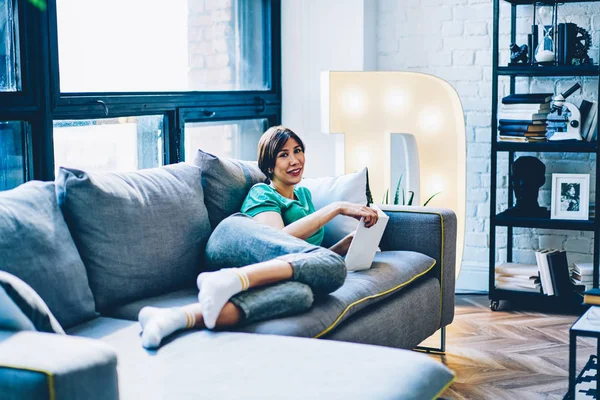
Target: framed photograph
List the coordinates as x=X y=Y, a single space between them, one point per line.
x=570 y=196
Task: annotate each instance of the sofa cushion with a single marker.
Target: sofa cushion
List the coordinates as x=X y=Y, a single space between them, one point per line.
x=139 y=233
x=205 y=364
x=352 y=187
x=226 y=183
x=392 y=271
x=30 y=303
x=35 y=246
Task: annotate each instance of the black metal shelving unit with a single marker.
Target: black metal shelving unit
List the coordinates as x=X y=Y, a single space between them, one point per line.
x=501 y=220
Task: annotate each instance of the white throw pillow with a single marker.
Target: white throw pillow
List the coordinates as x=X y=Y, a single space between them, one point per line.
x=349 y=187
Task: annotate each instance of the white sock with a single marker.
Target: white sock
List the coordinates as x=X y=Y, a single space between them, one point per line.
x=158 y=323
x=216 y=288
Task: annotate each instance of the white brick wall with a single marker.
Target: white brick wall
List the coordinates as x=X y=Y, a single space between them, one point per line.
x=452 y=39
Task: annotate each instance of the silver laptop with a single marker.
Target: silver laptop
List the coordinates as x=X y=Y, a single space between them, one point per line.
x=365 y=242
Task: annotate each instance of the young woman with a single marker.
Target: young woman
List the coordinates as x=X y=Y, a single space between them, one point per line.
x=266 y=260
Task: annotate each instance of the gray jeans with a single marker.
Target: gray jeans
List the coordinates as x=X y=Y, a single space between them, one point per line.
x=239 y=241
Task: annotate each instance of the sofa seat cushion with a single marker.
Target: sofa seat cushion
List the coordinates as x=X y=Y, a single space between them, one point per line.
x=392 y=271
x=229 y=365
x=139 y=233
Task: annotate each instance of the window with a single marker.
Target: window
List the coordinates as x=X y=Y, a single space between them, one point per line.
x=122 y=85
x=154 y=46
x=109 y=144
x=13 y=162
x=232 y=139
x=9 y=54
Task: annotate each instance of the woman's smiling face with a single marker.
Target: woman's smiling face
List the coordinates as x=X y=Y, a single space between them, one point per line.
x=289 y=163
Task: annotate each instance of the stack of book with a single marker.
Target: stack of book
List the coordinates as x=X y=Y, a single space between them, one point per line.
x=554 y=272
x=520 y=277
x=522 y=117
x=592 y=212
x=592 y=297
x=582 y=275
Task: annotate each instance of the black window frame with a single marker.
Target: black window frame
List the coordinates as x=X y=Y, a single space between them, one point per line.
x=41 y=103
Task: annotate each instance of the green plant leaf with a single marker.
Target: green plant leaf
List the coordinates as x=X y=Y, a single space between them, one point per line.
x=387 y=200
x=397 y=194
x=429 y=199
x=385 y=197
x=40 y=4
x=411 y=198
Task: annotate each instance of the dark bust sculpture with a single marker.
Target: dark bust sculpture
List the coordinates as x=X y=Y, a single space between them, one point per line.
x=527 y=175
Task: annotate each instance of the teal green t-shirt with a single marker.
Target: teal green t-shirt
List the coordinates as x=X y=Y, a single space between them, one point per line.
x=263 y=197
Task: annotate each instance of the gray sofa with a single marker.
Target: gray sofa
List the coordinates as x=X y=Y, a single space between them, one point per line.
x=99 y=247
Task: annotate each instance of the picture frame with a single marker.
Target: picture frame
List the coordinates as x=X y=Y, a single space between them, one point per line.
x=570 y=196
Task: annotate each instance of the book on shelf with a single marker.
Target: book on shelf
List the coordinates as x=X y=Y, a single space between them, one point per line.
x=559 y=272
x=592 y=296
x=588 y=110
x=504 y=122
x=527 y=98
x=592 y=133
x=524 y=282
x=517 y=269
x=517 y=288
x=515 y=139
x=542 y=264
x=527 y=117
x=522 y=128
x=531 y=108
x=537 y=139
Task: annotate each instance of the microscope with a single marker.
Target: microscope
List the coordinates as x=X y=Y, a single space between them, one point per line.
x=559 y=105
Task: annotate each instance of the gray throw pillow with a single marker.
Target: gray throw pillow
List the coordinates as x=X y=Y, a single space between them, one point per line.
x=35 y=246
x=226 y=183
x=140 y=234
x=30 y=303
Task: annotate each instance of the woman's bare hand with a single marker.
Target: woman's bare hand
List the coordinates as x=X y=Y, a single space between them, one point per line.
x=359 y=211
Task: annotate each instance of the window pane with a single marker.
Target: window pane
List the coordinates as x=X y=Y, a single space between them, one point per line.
x=12 y=154
x=140 y=45
x=9 y=47
x=110 y=144
x=232 y=139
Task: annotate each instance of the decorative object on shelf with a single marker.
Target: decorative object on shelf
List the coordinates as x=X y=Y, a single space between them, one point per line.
x=560 y=106
x=574 y=42
x=545 y=52
x=527 y=175
x=570 y=196
x=518 y=54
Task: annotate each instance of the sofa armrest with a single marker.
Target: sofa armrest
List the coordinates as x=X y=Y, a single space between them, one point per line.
x=36 y=365
x=430 y=231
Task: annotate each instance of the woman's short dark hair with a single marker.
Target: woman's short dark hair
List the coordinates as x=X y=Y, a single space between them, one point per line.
x=271 y=143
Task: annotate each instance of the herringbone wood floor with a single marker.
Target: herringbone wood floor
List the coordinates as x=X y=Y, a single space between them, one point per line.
x=510 y=353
